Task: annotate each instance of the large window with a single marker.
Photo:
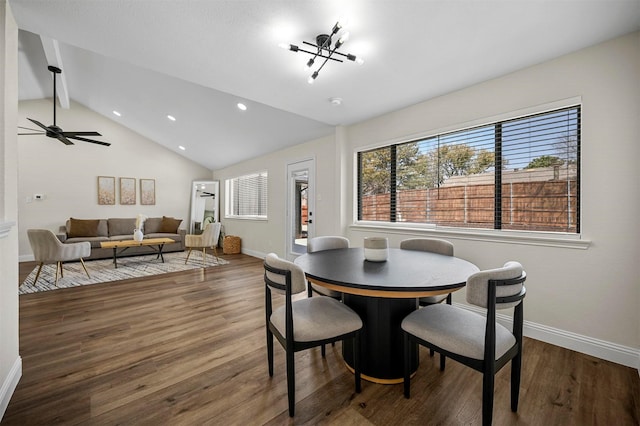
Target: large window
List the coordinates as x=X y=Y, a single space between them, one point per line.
x=246 y=196
x=520 y=174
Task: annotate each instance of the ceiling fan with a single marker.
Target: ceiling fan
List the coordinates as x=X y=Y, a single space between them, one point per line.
x=54 y=131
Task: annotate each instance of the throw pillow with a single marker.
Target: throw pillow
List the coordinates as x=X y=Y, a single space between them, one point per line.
x=83 y=228
x=169 y=225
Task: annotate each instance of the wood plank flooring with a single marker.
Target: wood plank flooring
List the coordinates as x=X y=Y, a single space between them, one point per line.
x=188 y=348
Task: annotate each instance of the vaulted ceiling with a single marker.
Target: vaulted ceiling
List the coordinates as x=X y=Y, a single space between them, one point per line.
x=195 y=60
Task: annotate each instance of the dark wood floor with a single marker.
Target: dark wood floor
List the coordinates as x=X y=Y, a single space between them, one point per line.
x=189 y=348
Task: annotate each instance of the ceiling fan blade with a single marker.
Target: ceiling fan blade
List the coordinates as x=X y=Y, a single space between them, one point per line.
x=62 y=138
x=28 y=128
x=37 y=123
x=89 y=140
x=68 y=134
x=27 y=134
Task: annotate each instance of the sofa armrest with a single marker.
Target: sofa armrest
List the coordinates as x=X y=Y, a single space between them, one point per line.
x=62 y=234
x=183 y=233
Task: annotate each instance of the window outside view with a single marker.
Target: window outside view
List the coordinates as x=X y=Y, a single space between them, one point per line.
x=520 y=174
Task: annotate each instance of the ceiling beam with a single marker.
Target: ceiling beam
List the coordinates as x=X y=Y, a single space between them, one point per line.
x=52 y=53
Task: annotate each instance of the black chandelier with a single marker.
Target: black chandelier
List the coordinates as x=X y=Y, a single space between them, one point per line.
x=324 y=49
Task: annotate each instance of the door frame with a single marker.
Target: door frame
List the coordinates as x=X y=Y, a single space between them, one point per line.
x=308 y=164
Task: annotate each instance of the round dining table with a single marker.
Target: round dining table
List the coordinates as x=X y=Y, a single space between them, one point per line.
x=383 y=293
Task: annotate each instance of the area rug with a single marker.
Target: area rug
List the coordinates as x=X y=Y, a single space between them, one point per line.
x=103 y=271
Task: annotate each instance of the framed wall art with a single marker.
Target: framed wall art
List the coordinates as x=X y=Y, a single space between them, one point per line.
x=147 y=191
x=127 y=191
x=106 y=190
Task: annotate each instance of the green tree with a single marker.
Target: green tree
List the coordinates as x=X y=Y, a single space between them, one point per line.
x=544 y=161
x=418 y=170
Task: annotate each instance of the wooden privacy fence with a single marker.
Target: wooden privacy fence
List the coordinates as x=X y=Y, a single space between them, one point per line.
x=535 y=206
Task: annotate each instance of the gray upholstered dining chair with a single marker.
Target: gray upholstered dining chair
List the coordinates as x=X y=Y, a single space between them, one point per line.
x=433 y=245
x=208 y=239
x=320 y=244
x=316 y=244
x=304 y=323
x=47 y=248
x=472 y=339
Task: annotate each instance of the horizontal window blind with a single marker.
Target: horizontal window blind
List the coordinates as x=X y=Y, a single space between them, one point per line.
x=246 y=196
x=515 y=174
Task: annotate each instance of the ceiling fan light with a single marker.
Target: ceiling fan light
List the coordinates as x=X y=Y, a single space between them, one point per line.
x=310 y=63
x=312 y=77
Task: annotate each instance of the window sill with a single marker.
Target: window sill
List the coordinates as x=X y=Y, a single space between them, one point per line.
x=510 y=237
x=257 y=218
x=5 y=227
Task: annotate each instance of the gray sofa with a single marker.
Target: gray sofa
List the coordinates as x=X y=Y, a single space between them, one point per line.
x=117 y=229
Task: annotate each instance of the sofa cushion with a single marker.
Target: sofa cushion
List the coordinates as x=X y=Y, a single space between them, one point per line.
x=152 y=225
x=95 y=241
x=121 y=226
x=83 y=228
x=169 y=225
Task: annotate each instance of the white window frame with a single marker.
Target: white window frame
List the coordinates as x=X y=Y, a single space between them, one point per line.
x=260 y=208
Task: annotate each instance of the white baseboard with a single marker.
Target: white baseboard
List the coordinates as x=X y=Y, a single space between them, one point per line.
x=9 y=385
x=602 y=349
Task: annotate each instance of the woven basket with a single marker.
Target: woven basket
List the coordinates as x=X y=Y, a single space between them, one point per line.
x=231 y=244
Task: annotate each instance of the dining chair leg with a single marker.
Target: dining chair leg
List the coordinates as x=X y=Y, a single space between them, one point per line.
x=270 y=351
x=407 y=365
x=204 y=257
x=516 y=364
x=187 y=259
x=291 y=382
x=38 y=273
x=488 y=381
x=85 y=268
x=323 y=351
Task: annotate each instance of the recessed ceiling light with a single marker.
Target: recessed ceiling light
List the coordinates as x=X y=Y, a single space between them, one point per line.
x=335 y=101
x=242 y=106
x=171 y=117
x=182 y=147
x=116 y=113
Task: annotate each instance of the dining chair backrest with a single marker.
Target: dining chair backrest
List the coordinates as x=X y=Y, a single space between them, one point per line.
x=277 y=281
x=326 y=243
x=433 y=245
x=478 y=283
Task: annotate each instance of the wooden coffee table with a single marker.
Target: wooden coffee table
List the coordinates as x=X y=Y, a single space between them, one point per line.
x=125 y=244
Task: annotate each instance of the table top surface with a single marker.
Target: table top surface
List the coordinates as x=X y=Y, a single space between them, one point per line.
x=416 y=273
x=133 y=243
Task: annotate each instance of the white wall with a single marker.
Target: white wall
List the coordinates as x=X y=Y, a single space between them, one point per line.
x=10 y=362
x=585 y=297
x=262 y=237
x=67 y=175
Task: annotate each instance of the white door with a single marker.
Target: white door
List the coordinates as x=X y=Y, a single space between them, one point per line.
x=300 y=206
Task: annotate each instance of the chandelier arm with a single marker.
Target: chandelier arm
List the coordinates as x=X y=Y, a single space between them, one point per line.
x=347 y=55
x=315 y=55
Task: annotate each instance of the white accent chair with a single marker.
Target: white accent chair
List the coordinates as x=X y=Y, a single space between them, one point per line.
x=304 y=323
x=208 y=239
x=47 y=248
x=472 y=339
